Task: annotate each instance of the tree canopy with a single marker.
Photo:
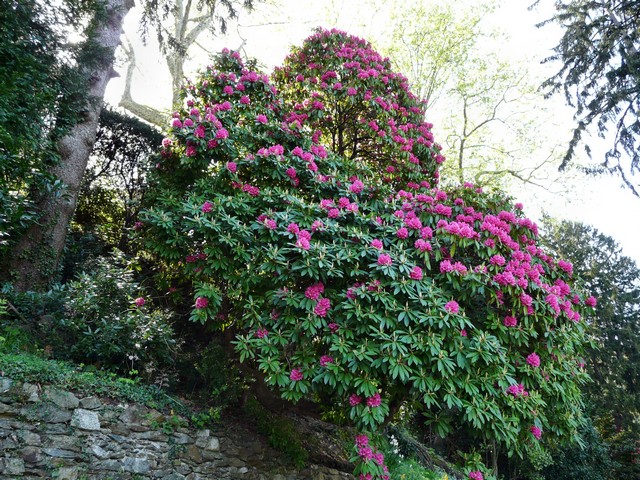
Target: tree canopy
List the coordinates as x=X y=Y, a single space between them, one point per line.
x=600 y=77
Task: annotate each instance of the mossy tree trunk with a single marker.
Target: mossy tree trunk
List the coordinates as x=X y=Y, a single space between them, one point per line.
x=37 y=254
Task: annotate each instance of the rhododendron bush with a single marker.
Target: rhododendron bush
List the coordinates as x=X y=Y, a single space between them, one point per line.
x=307 y=215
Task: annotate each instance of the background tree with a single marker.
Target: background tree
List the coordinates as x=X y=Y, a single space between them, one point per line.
x=115 y=180
x=36 y=252
x=178 y=25
x=492 y=105
x=615 y=364
x=600 y=77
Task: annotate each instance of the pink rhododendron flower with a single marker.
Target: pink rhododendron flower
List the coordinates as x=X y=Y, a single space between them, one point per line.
x=463 y=333
x=355 y=400
x=416 y=273
x=206 y=206
x=366 y=453
x=322 y=307
x=402 y=233
x=317 y=225
x=314 y=291
x=536 y=432
x=374 y=401
x=303 y=243
x=188 y=122
x=232 y=167
x=384 y=260
x=476 y=475
x=333 y=213
x=296 y=375
x=176 y=123
x=356 y=187
x=222 y=133
x=244 y=100
x=325 y=360
x=293 y=228
x=510 y=321
x=261 y=333
x=139 y=302
x=375 y=243
x=333 y=327
x=422 y=245
x=533 y=359
x=591 y=301
x=270 y=224
x=361 y=440
x=452 y=306
x=201 y=302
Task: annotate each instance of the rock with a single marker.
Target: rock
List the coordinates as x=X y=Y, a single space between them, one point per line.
x=213 y=444
x=153 y=435
x=136 y=465
x=31 y=392
x=59 y=453
x=111 y=465
x=46 y=413
x=181 y=438
x=29 y=438
x=90 y=403
x=98 y=451
x=31 y=455
x=62 y=399
x=85 y=419
x=13 y=466
x=139 y=414
x=68 y=473
x=174 y=476
x=193 y=453
x=4 y=408
x=5 y=384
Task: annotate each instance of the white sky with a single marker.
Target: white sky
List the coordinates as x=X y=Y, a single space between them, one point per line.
x=270 y=31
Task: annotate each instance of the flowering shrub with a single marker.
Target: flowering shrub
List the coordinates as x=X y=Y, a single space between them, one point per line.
x=341 y=285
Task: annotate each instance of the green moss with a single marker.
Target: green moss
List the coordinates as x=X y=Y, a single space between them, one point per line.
x=34 y=369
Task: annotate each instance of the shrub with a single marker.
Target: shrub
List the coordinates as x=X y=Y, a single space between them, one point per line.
x=345 y=287
x=96 y=319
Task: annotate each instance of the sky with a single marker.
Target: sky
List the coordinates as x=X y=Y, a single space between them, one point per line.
x=269 y=32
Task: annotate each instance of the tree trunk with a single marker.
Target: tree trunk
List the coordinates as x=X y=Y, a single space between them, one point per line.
x=37 y=254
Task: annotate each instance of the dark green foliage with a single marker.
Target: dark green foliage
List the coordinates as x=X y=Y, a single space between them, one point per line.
x=93 y=319
x=280 y=431
x=115 y=181
x=590 y=461
x=600 y=77
x=40 y=95
x=615 y=281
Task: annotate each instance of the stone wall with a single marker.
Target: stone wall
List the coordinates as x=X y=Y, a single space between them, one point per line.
x=48 y=433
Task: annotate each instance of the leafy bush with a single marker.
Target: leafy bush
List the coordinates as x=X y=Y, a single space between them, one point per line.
x=100 y=318
x=346 y=273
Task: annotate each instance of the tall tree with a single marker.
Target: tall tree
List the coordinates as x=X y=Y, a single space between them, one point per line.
x=492 y=105
x=615 y=280
x=31 y=78
x=600 y=77
x=178 y=25
x=37 y=253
